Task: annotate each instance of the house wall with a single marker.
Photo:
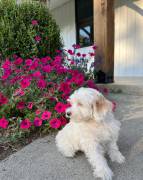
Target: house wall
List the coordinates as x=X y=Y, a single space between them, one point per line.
x=128 y=34
x=128 y=38
x=65 y=18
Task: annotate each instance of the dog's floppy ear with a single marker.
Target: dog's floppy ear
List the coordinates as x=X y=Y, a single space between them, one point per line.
x=101 y=107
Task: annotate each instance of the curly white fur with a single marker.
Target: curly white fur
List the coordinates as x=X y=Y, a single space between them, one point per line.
x=93 y=130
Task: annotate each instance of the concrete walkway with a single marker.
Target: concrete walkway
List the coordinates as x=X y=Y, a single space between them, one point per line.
x=41 y=160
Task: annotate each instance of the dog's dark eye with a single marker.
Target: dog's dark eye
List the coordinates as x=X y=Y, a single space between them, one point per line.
x=79 y=104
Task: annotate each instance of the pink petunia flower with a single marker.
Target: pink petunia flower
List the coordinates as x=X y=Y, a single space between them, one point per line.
x=70 y=52
x=30 y=105
x=37 y=122
x=55 y=123
x=3 y=123
x=65 y=88
x=44 y=60
x=47 y=68
x=105 y=91
x=58 y=51
x=91 y=84
x=20 y=105
x=37 y=38
x=38 y=111
x=73 y=72
x=78 y=79
x=18 y=61
x=61 y=70
x=37 y=74
x=63 y=121
x=28 y=62
x=68 y=104
x=46 y=115
x=76 y=46
x=94 y=47
x=34 y=22
x=25 y=83
x=5 y=76
x=34 y=65
x=41 y=84
x=92 y=54
x=6 y=64
x=60 y=107
x=3 y=99
x=78 y=54
x=72 y=62
x=57 y=61
x=25 y=124
x=83 y=55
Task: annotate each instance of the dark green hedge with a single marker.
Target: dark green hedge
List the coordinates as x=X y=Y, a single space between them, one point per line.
x=17 y=33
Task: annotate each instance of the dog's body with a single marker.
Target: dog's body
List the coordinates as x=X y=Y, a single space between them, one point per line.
x=93 y=130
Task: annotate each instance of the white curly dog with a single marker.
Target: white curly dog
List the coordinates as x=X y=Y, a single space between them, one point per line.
x=92 y=129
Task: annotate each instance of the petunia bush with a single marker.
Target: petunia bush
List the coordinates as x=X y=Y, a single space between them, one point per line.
x=27 y=29
x=34 y=92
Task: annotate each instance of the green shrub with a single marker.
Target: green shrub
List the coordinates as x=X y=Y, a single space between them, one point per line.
x=17 y=33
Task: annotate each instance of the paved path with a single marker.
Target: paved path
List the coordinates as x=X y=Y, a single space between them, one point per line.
x=41 y=160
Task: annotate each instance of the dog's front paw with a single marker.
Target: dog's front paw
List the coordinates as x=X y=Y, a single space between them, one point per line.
x=104 y=174
x=119 y=158
x=68 y=154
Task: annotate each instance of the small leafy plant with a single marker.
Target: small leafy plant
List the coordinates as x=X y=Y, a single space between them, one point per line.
x=27 y=30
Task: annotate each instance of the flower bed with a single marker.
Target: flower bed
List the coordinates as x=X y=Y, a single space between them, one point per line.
x=33 y=92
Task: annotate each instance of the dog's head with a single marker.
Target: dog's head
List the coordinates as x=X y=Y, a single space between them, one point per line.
x=88 y=104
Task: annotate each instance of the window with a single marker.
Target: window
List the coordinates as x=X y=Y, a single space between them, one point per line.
x=84 y=22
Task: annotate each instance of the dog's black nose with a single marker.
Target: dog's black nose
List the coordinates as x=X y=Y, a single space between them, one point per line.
x=68 y=113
